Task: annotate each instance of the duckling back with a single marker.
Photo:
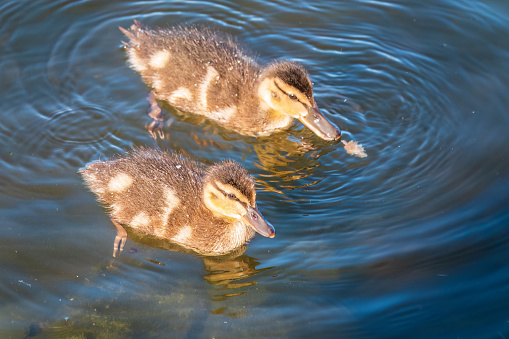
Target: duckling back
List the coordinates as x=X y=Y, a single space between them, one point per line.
x=146 y=189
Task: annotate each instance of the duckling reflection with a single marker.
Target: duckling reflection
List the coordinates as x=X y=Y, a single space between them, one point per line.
x=284 y=156
x=229 y=270
x=231 y=275
x=207 y=73
x=226 y=272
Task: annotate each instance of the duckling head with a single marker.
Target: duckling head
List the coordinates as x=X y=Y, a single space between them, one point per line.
x=286 y=88
x=229 y=193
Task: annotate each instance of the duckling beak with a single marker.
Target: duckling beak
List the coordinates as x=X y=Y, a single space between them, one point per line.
x=258 y=222
x=319 y=124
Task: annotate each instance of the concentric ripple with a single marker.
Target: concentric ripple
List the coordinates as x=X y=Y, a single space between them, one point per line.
x=410 y=241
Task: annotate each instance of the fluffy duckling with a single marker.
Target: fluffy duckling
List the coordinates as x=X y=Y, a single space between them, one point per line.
x=206 y=72
x=209 y=210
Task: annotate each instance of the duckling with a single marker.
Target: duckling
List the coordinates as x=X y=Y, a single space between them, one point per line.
x=209 y=210
x=206 y=72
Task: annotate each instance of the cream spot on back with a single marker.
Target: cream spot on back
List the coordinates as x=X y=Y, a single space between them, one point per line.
x=219 y=114
x=159 y=59
x=181 y=93
x=90 y=176
x=140 y=220
x=158 y=84
x=204 y=86
x=171 y=202
x=135 y=62
x=99 y=190
x=183 y=235
x=115 y=209
x=120 y=182
x=94 y=184
x=223 y=114
x=159 y=232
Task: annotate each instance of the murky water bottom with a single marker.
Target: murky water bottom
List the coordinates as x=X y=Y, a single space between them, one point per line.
x=411 y=241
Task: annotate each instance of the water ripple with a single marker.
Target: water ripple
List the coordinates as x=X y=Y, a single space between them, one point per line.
x=362 y=243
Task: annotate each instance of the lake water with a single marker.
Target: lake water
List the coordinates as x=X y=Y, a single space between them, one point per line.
x=409 y=242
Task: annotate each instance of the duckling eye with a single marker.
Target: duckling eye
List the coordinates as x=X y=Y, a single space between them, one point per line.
x=231 y=196
x=292 y=96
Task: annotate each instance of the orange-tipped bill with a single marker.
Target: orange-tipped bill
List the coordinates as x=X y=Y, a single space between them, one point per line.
x=319 y=124
x=258 y=222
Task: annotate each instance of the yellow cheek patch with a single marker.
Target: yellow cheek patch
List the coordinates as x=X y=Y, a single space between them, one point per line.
x=220 y=204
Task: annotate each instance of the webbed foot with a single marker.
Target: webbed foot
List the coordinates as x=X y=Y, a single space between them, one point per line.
x=120 y=239
x=155 y=128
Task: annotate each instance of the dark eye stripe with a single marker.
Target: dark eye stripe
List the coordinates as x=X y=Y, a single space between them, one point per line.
x=291 y=96
x=229 y=195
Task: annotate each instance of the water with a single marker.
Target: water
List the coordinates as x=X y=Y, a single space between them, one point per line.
x=411 y=241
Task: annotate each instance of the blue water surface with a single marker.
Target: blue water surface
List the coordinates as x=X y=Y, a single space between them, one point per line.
x=410 y=242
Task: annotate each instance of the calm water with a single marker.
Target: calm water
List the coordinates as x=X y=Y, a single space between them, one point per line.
x=410 y=242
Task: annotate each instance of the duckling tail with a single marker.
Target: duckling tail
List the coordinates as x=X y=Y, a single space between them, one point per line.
x=137 y=25
x=129 y=35
x=132 y=35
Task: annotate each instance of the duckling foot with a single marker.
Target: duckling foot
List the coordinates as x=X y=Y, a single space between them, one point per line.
x=120 y=239
x=155 y=129
x=156 y=126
